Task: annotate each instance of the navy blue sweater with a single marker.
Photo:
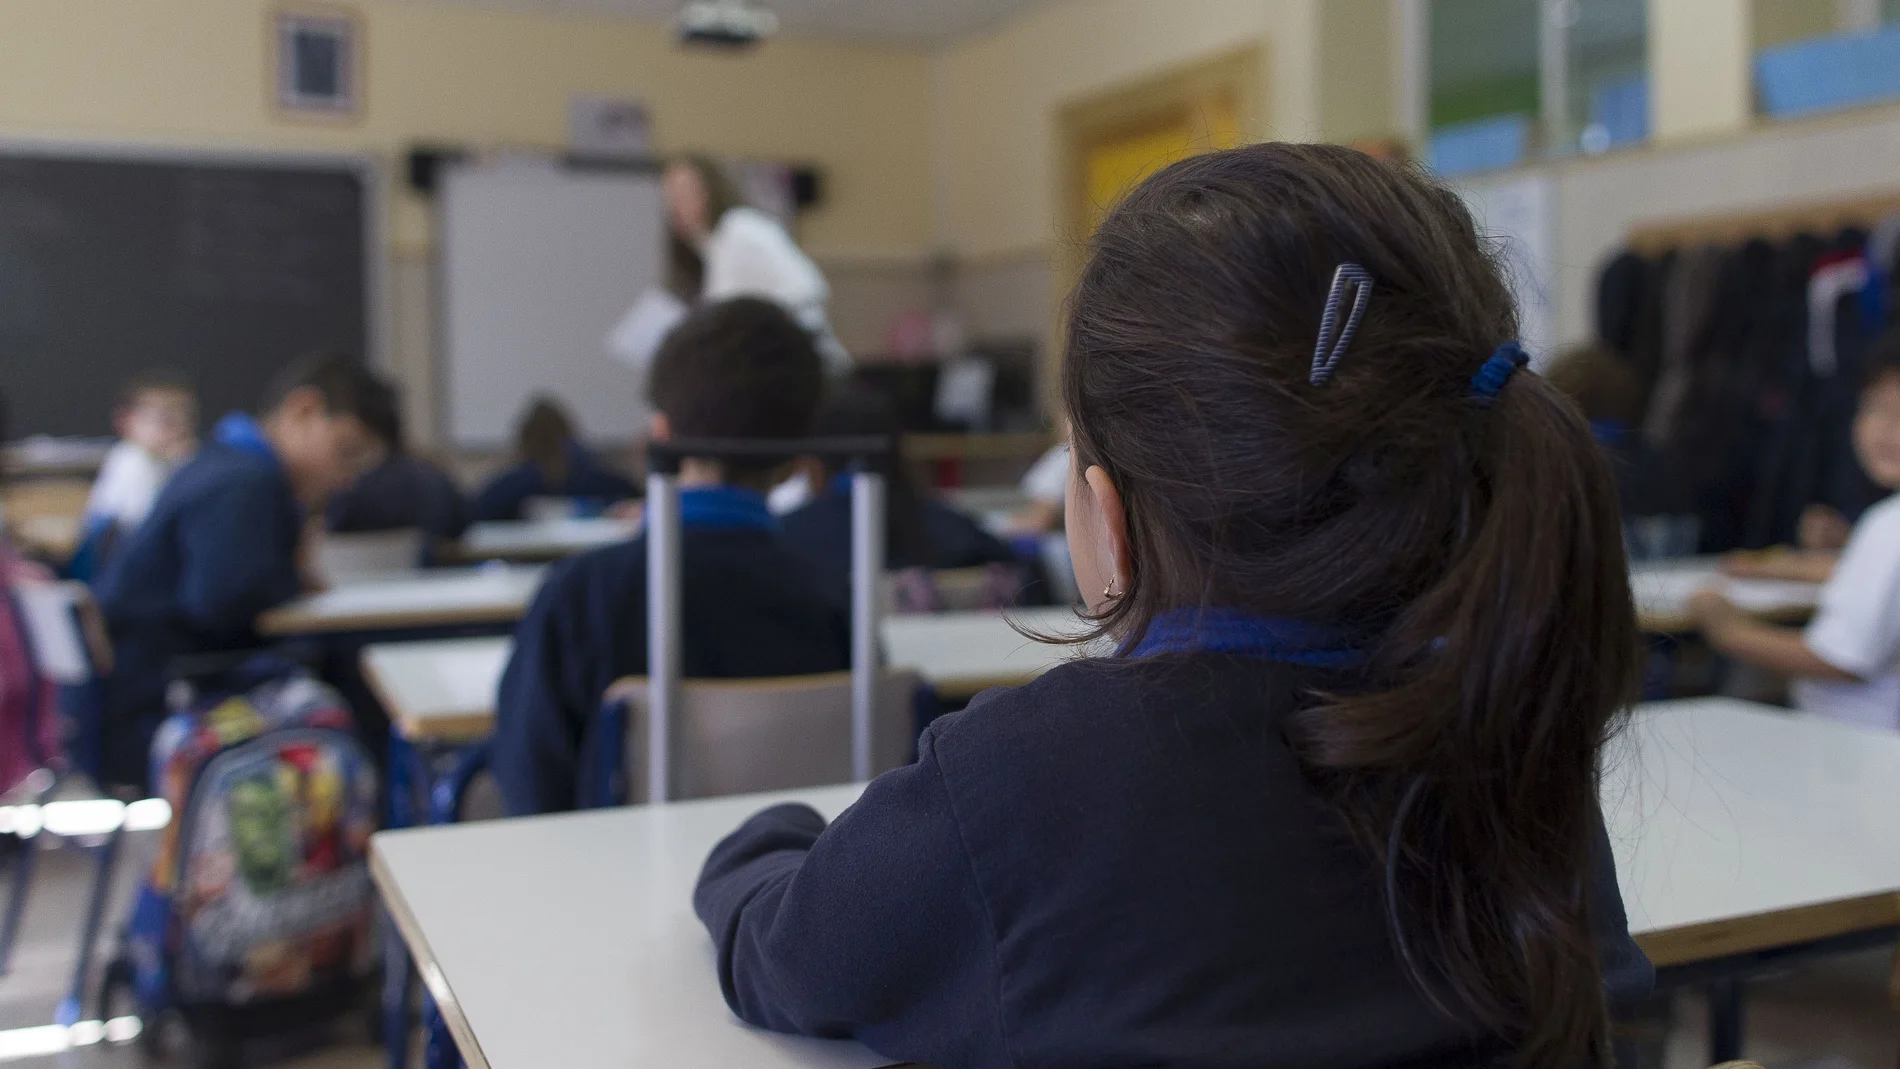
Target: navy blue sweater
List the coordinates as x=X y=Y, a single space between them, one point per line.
x=507 y=494
x=1116 y=865
x=749 y=607
x=821 y=531
x=403 y=491
x=219 y=547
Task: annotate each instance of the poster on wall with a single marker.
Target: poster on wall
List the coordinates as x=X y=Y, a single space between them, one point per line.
x=1519 y=214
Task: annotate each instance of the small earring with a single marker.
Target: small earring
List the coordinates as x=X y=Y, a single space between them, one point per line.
x=1110 y=592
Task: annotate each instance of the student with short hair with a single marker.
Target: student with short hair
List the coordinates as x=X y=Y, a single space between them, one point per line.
x=222 y=542
x=1846 y=663
x=156 y=420
x=403 y=490
x=750 y=606
x=552 y=462
x=920 y=531
x=1333 y=801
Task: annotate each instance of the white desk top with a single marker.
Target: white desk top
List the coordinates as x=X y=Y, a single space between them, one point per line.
x=962 y=653
x=1663 y=588
x=441 y=691
x=541 y=539
x=412 y=601
x=1724 y=816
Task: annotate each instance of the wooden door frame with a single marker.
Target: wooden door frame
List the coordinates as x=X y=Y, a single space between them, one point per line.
x=1080 y=123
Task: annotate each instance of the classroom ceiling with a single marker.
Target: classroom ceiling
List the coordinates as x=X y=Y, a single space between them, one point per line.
x=911 y=22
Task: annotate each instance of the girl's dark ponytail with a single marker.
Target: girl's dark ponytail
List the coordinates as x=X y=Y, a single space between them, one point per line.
x=1471 y=770
x=1477 y=540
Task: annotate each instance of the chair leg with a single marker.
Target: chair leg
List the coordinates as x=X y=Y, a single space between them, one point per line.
x=1725 y=1020
x=16 y=901
x=71 y=1008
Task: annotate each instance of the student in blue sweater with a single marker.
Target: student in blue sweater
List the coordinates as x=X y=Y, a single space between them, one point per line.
x=402 y=490
x=750 y=607
x=552 y=463
x=221 y=543
x=1333 y=802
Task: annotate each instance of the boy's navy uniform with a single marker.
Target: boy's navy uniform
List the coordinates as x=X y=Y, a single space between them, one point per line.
x=821 y=531
x=219 y=547
x=507 y=494
x=403 y=491
x=750 y=608
x=1118 y=864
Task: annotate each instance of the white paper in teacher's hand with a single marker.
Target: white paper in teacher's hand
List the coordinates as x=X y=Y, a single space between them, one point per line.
x=638 y=336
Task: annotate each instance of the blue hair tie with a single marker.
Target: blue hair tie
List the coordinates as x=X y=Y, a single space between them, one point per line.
x=1497 y=371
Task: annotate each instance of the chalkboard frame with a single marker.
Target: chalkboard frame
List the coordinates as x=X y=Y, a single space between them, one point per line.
x=380 y=350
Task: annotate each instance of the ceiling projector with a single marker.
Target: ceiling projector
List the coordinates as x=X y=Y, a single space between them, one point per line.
x=729 y=24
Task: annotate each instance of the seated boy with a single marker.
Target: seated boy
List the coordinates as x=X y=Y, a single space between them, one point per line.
x=1847 y=663
x=750 y=606
x=402 y=490
x=156 y=420
x=221 y=543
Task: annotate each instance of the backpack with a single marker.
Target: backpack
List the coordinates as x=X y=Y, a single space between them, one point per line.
x=260 y=898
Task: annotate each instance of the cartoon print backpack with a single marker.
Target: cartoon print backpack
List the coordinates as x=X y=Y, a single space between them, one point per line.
x=260 y=892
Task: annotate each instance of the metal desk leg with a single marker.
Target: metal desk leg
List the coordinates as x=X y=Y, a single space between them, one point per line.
x=72 y=1008
x=1725 y=1019
x=16 y=901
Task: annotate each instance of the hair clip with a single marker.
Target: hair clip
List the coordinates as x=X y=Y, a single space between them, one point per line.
x=1497 y=371
x=1333 y=335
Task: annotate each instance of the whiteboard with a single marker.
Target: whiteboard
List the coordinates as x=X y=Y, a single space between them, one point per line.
x=539 y=261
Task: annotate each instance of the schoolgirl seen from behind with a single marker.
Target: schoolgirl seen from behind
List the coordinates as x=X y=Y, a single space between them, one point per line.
x=1334 y=800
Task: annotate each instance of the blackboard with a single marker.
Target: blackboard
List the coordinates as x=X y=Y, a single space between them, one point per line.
x=220 y=270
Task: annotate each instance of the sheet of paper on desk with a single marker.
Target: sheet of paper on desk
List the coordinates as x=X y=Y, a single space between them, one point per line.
x=1665 y=589
x=434 y=593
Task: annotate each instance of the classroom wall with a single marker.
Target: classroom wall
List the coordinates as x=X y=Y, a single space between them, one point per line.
x=195 y=72
x=1773 y=164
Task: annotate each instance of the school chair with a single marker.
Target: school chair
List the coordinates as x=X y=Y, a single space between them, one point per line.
x=742 y=736
x=343 y=558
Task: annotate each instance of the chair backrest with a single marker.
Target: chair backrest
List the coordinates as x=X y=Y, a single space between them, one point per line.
x=740 y=736
x=344 y=557
x=65 y=630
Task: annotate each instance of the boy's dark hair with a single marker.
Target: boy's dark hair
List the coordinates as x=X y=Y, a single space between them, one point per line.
x=1601 y=382
x=741 y=368
x=1477 y=547
x=152 y=382
x=543 y=438
x=382 y=416
x=856 y=408
x=1882 y=359
x=347 y=385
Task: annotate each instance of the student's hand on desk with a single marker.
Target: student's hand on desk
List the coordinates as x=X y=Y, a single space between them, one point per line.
x=1750 y=563
x=630 y=513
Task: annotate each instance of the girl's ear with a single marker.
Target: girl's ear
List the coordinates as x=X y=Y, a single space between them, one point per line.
x=1112 y=532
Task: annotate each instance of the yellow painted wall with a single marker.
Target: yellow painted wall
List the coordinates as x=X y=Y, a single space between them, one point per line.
x=195 y=72
x=1700 y=67
x=999 y=96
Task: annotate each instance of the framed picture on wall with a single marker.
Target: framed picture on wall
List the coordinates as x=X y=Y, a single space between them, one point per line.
x=317 y=68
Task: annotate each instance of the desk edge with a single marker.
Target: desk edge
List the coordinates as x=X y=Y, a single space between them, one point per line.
x=1730 y=936
x=418 y=948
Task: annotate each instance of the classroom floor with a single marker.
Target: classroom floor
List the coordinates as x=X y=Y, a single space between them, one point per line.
x=1824 y=1015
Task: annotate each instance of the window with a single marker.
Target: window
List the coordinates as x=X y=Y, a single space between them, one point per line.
x=1813 y=56
x=1514 y=79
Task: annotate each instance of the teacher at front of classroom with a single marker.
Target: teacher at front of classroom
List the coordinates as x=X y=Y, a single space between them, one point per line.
x=722 y=247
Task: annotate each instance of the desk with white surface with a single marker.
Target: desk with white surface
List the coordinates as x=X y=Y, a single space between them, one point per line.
x=1737 y=829
x=441 y=691
x=410 y=602
x=962 y=653
x=538 y=540
x=1663 y=588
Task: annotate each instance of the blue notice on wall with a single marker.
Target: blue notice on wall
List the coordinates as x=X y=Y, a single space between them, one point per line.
x=1619 y=112
x=1485 y=145
x=1824 y=73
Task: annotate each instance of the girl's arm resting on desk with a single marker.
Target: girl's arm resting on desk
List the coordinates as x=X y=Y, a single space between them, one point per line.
x=1799 y=565
x=1778 y=649
x=872 y=928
